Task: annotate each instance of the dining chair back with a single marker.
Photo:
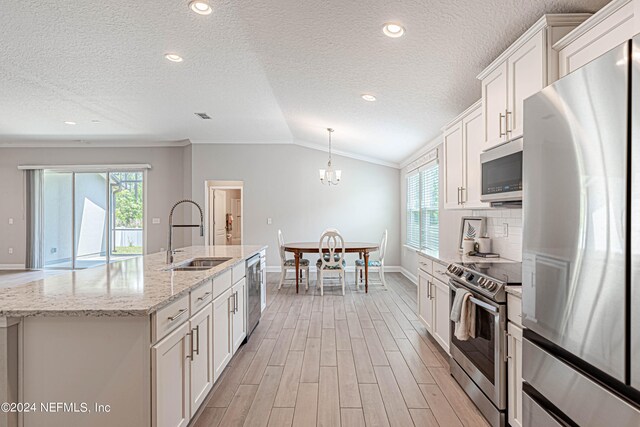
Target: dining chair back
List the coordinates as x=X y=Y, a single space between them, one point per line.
x=333 y=261
x=332 y=239
x=290 y=265
x=383 y=246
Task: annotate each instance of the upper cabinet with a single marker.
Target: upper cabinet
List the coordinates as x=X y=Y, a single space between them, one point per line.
x=462 y=145
x=525 y=68
x=612 y=25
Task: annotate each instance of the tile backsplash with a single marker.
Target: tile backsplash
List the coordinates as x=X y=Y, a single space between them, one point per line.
x=504 y=227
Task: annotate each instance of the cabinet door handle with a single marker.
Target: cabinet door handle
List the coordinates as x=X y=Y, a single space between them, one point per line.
x=430 y=290
x=507 y=128
x=235 y=300
x=462 y=195
x=190 y=354
x=506 y=346
x=234 y=303
x=501 y=117
x=206 y=294
x=178 y=314
x=197 y=339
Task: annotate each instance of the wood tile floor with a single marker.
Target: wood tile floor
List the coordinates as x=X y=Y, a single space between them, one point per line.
x=354 y=360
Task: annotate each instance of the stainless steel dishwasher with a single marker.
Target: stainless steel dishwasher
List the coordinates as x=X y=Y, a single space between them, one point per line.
x=254 y=292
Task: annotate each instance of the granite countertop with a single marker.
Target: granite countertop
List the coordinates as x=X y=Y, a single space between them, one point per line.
x=459 y=258
x=134 y=287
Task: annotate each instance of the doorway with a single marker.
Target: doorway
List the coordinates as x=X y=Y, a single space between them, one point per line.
x=92 y=217
x=224 y=213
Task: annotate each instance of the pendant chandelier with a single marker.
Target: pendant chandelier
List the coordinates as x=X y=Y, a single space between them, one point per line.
x=329 y=176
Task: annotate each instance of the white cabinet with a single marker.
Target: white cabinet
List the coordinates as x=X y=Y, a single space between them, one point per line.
x=202 y=356
x=441 y=322
x=222 y=350
x=462 y=145
x=525 y=76
x=454 y=167
x=524 y=68
x=239 y=318
x=425 y=304
x=514 y=375
x=170 y=390
x=612 y=25
x=433 y=307
x=494 y=101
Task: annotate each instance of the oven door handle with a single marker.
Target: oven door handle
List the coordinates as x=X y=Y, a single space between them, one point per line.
x=483 y=305
x=476 y=301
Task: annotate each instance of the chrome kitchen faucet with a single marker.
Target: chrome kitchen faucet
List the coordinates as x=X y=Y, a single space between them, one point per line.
x=170 y=250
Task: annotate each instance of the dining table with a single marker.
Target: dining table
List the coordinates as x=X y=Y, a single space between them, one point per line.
x=361 y=248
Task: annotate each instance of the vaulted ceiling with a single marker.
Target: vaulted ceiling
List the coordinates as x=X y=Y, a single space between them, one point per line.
x=265 y=71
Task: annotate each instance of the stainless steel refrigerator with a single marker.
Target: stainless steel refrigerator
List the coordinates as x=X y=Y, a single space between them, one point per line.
x=581 y=246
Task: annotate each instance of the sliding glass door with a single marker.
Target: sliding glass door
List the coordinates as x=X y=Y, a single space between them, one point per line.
x=92 y=218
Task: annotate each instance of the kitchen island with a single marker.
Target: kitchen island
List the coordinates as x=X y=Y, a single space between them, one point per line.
x=132 y=343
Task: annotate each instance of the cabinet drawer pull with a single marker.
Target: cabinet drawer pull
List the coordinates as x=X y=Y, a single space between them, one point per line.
x=197 y=339
x=178 y=314
x=508 y=129
x=206 y=294
x=502 y=116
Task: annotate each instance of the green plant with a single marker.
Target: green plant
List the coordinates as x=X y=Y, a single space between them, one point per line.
x=128 y=209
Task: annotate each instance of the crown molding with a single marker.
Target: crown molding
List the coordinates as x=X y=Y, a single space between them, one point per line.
x=549 y=20
x=424 y=151
x=472 y=108
x=92 y=144
x=608 y=10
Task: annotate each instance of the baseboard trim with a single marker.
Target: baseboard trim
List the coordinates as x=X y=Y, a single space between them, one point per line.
x=409 y=276
x=349 y=269
x=11 y=266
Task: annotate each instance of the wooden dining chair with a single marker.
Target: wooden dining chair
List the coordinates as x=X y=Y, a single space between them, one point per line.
x=290 y=264
x=332 y=262
x=375 y=264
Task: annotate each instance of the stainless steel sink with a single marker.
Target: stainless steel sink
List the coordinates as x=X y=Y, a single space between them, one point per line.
x=199 y=264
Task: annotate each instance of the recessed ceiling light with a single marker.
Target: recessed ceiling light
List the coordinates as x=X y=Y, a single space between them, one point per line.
x=70 y=123
x=173 y=57
x=368 y=97
x=200 y=7
x=393 y=30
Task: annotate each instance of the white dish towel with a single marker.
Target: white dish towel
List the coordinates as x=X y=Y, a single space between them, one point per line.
x=463 y=314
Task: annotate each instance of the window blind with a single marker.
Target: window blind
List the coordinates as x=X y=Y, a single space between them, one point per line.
x=429 y=193
x=413 y=210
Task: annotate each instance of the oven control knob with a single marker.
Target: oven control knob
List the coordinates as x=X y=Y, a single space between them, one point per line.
x=491 y=285
x=482 y=282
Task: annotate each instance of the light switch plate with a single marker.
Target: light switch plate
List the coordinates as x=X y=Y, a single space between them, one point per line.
x=155 y=220
x=10 y=221
x=268 y=221
x=10 y=251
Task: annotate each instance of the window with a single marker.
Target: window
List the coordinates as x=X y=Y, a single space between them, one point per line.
x=422 y=208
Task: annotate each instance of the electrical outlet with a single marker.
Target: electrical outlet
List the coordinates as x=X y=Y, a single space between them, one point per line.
x=10 y=251
x=505 y=230
x=268 y=221
x=155 y=221
x=10 y=221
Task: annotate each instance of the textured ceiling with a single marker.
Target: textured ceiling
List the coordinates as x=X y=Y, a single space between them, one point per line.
x=266 y=71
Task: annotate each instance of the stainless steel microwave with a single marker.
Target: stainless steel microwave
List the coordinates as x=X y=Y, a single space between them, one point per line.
x=502 y=173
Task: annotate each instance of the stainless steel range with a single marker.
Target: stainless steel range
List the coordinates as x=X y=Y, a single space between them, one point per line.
x=479 y=364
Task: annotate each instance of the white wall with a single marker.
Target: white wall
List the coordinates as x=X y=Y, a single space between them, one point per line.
x=281 y=182
x=165 y=186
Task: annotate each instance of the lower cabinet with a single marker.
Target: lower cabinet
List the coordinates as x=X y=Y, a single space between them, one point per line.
x=171 y=382
x=239 y=319
x=514 y=375
x=202 y=356
x=222 y=350
x=425 y=304
x=433 y=307
x=441 y=322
